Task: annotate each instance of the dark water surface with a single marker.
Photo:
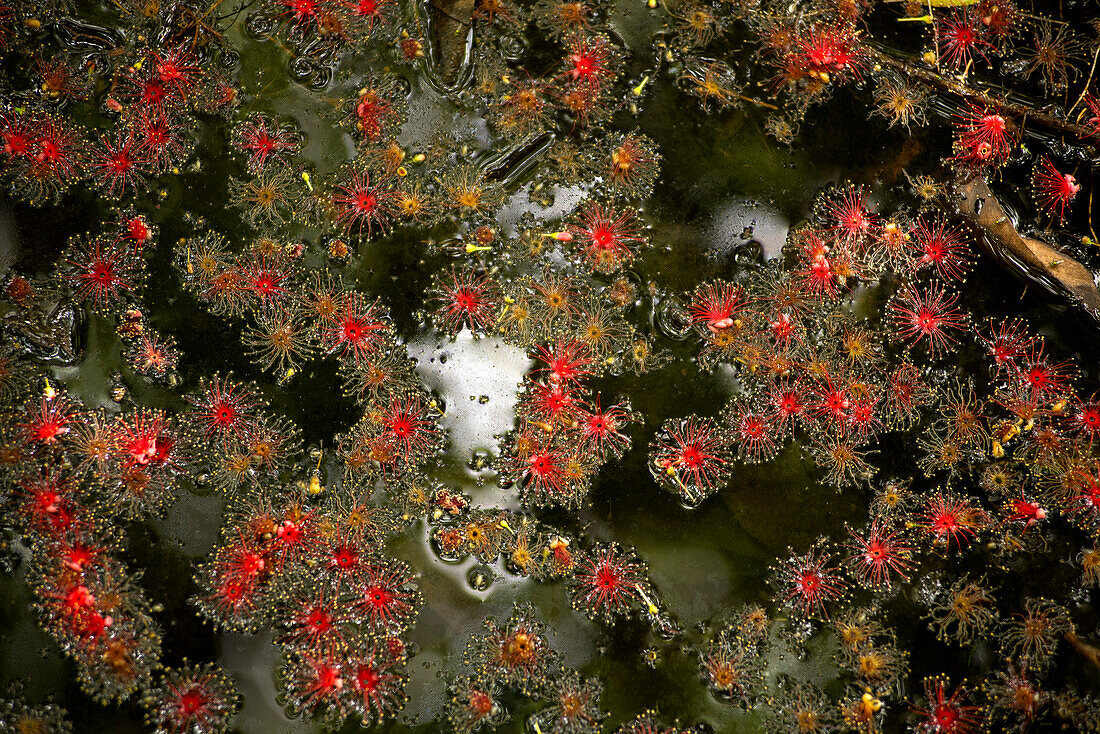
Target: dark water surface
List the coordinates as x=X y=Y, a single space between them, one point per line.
x=720 y=177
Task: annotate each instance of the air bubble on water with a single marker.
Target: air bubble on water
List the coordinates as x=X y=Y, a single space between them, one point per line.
x=480 y=459
x=258 y=25
x=480 y=578
x=673 y=320
x=690 y=503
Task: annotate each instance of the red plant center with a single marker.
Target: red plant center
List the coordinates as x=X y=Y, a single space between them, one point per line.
x=607 y=579
x=192 y=701
x=378 y=597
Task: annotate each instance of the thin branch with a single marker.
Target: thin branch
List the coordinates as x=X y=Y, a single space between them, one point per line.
x=1039 y=261
x=757 y=102
x=1087 y=650
x=949 y=85
x=1088 y=83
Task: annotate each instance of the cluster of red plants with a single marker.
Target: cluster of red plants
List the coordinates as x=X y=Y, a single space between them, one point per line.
x=322 y=26
x=44 y=152
x=73 y=473
x=842 y=383
x=1010 y=461
x=564 y=435
x=339 y=606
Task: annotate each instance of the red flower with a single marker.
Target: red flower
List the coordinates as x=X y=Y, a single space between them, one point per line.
x=375 y=687
x=947 y=714
x=360 y=205
x=408 y=427
x=1092 y=122
x=466 y=300
x=1022 y=510
x=373 y=113
x=103 y=273
x=567 y=361
x=607 y=582
x=47 y=502
x=832 y=402
x=847 y=217
x=160 y=143
x=342 y=555
x=605 y=236
x=262 y=139
x=554 y=403
x=1043 y=378
x=143 y=439
x=950 y=520
x=316 y=685
x=58 y=152
x=1054 y=190
x=266 y=278
x=788 y=400
x=1085 y=501
x=941 y=248
x=588 y=61
x=49 y=420
x=601 y=430
x=17 y=133
x=926 y=317
x=543 y=469
x=243 y=561
x=136 y=230
x=314 y=617
x=1006 y=342
x=1085 y=419
x=983 y=139
x=194 y=698
x=879 y=556
x=358 y=330
x=828 y=50
x=694 y=454
x=718 y=306
x=388 y=596
x=960 y=38
x=223 y=408
x=755 y=435
x=301 y=14
x=816 y=272
x=176 y=69
x=808 y=583
x=371 y=12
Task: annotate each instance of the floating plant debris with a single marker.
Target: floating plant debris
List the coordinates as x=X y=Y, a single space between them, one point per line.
x=556 y=367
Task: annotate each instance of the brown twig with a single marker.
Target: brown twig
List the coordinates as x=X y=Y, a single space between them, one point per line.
x=949 y=85
x=757 y=102
x=1038 y=261
x=1087 y=650
x=1091 y=230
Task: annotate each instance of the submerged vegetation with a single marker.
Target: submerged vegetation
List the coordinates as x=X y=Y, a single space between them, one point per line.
x=251 y=239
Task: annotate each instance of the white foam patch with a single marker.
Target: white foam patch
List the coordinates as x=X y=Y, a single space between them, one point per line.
x=479 y=380
x=730 y=219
